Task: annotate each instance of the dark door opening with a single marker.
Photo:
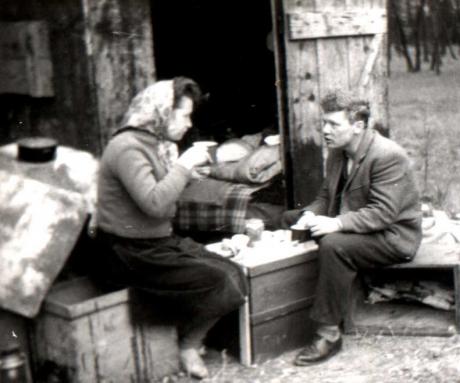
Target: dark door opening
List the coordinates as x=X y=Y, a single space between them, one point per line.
x=226 y=47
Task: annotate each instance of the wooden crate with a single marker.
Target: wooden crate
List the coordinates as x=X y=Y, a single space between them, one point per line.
x=102 y=337
x=275 y=318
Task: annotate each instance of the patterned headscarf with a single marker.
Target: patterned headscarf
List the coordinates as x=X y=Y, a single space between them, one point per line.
x=150 y=111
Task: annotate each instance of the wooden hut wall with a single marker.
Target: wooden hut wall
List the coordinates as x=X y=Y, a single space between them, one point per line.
x=101 y=55
x=119 y=40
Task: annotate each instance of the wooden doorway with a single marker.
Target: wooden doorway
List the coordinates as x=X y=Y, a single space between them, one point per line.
x=226 y=48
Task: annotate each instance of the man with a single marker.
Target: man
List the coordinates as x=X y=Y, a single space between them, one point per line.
x=366 y=215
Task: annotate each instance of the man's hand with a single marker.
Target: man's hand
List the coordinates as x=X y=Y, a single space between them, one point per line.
x=306 y=219
x=321 y=225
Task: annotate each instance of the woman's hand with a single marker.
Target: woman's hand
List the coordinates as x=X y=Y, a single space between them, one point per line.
x=193 y=157
x=201 y=172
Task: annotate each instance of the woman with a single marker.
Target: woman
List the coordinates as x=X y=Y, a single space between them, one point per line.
x=141 y=178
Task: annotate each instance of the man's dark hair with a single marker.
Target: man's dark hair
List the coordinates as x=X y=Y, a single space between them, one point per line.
x=356 y=109
x=184 y=86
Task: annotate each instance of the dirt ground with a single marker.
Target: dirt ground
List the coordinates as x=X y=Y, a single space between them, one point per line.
x=364 y=359
x=424 y=118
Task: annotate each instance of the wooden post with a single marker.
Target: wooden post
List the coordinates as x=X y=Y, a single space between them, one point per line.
x=119 y=44
x=457 y=296
x=245 y=334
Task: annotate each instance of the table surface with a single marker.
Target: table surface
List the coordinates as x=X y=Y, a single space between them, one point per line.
x=267 y=252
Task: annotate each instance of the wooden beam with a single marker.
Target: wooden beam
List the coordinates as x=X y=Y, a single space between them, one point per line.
x=276 y=312
x=302 y=94
x=315 y=25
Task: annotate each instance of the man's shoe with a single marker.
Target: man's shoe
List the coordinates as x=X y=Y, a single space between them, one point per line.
x=319 y=350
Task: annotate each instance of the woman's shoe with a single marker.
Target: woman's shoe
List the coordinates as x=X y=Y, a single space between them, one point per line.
x=192 y=363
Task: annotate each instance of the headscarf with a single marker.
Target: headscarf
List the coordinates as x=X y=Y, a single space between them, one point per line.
x=150 y=111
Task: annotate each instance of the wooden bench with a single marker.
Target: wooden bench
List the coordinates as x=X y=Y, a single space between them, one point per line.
x=412 y=319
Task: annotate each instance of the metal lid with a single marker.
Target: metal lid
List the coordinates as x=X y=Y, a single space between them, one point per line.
x=37 y=149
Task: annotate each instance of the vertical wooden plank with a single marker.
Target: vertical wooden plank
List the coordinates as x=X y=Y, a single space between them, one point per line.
x=13 y=71
x=26 y=63
x=120 y=47
x=71 y=115
x=39 y=65
x=303 y=108
x=357 y=49
x=245 y=334
x=377 y=88
x=333 y=56
x=457 y=296
x=281 y=96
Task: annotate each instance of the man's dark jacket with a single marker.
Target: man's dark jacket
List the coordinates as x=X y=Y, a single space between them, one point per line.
x=380 y=193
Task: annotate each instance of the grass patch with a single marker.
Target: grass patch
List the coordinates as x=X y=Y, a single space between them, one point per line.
x=425 y=119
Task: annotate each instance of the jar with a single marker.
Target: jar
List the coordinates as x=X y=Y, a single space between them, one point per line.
x=254 y=229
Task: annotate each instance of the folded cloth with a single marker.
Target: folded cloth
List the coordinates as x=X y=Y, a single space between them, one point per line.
x=233 y=150
x=258 y=167
x=198 y=214
x=427 y=292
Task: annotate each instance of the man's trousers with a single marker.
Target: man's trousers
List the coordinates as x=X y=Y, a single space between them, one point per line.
x=340 y=257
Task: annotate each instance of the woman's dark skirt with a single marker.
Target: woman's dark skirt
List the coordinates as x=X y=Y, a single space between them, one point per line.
x=176 y=272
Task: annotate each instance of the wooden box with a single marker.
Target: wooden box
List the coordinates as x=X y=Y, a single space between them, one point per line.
x=276 y=316
x=102 y=337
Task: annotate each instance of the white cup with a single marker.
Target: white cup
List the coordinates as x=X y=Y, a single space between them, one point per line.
x=210 y=146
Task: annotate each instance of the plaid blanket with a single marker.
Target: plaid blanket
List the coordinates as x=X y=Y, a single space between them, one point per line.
x=228 y=216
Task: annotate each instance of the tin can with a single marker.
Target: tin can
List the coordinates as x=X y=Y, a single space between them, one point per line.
x=14 y=367
x=300 y=233
x=254 y=229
